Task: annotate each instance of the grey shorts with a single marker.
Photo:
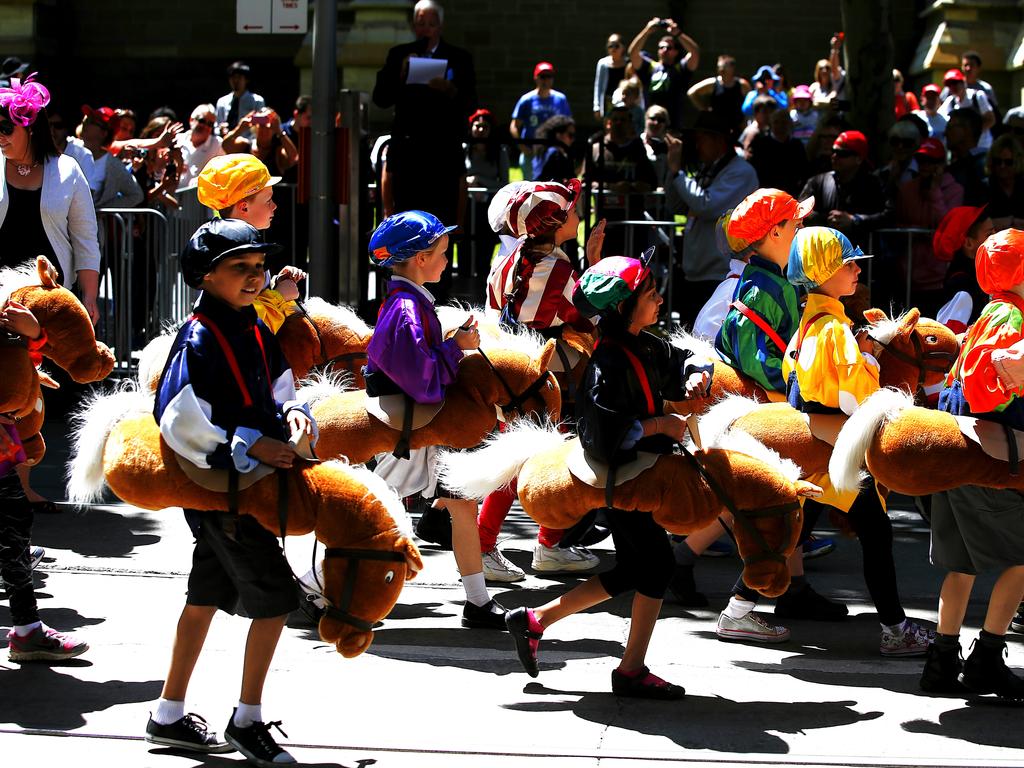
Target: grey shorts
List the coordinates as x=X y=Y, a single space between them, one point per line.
x=976 y=529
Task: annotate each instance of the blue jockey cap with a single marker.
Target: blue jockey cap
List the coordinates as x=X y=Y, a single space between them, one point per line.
x=400 y=237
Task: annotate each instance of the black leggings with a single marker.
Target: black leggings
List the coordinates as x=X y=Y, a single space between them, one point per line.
x=15 y=566
x=643 y=555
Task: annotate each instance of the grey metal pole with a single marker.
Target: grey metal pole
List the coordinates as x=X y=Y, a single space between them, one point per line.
x=322 y=209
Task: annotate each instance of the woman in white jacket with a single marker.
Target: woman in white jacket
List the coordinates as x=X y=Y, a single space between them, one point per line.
x=46 y=206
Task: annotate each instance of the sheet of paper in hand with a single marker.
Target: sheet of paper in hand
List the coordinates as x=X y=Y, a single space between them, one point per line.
x=422 y=71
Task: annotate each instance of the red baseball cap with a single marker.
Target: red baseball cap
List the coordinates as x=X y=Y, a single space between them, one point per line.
x=484 y=113
x=952 y=231
x=933 y=148
x=931 y=88
x=103 y=115
x=1000 y=261
x=954 y=75
x=543 y=66
x=763 y=209
x=854 y=141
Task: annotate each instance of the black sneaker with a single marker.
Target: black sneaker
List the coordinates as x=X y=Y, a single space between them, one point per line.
x=191 y=733
x=256 y=743
x=985 y=672
x=808 y=604
x=488 y=616
x=942 y=668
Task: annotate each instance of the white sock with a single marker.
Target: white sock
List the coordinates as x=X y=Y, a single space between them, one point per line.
x=247 y=714
x=738 y=607
x=476 y=589
x=896 y=629
x=168 y=711
x=24 y=630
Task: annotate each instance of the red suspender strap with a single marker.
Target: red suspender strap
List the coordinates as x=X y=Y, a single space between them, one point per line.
x=803 y=331
x=263 y=354
x=760 y=322
x=229 y=355
x=638 y=369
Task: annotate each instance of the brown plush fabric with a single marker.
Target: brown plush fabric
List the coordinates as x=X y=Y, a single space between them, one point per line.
x=301 y=346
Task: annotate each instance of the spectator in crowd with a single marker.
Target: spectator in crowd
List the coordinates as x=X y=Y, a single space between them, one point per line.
x=12 y=66
x=112 y=184
x=803 y=114
x=125 y=125
x=849 y=197
x=819 y=148
x=487 y=166
x=45 y=201
x=619 y=165
x=425 y=160
x=904 y=139
x=233 y=106
x=956 y=241
x=199 y=144
x=557 y=164
x=764 y=81
x=653 y=138
x=970 y=65
x=269 y=141
x=923 y=202
x=611 y=69
x=963 y=131
x=829 y=77
x=1005 y=167
x=302 y=117
x=630 y=94
x=929 y=112
x=781 y=81
x=157 y=170
x=59 y=129
x=779 y=159
x=533 y=109
x=1013 y=121
x=904 y=102
x=666 y=79
x=722 y=93
x=722 y=180
x=764 y=108
x=963 y=97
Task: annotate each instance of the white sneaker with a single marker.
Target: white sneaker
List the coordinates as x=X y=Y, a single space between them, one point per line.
x=497 y=567
x=35 y=556
x=311 y=582
x=557 y=559
x=752 y=627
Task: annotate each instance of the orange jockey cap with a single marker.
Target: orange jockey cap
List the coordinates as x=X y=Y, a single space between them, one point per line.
x=1000 y=261
x=763 y=209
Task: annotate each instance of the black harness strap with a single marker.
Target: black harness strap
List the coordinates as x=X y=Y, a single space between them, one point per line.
x=347 y=358
x=515 y=402
x=340 y=612
x=401 y=450
x=570 y=385
x=920 y=360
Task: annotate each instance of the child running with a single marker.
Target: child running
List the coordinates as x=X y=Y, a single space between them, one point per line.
x=830 y=372
x=977 y=529
x=409 y=355
x=226 y=402
x=531 y=284
x=619 y=412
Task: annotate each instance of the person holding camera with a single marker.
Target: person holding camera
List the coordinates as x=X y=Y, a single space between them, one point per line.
x=666 y=79
x=199 y=144
x=269 y=142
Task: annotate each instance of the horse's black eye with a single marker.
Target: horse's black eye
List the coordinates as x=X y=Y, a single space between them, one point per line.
x=389 y=577
x=931 y=339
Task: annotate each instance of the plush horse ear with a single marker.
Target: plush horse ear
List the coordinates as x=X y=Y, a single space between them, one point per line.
x=47 y=272
x=544 y=359
x=807 y=490
x=908 y=322
x=46 y=381
x=874 y=315
x=413 y=560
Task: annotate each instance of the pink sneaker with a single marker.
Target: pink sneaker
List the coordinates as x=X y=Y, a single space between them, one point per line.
x=44 y=644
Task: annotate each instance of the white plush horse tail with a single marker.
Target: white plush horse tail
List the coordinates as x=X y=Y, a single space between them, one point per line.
x=478 y=473
x=153 y=358
x=845 y=468
x=91 y=426
x=720 y=417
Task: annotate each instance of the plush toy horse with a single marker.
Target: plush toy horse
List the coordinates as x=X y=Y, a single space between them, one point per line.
x=912 y=355
x=914 y=352
x=70 y=343
x=918 y=451
x=489 y=385
x=682 y=494
x=362 y=523
x=325 y=336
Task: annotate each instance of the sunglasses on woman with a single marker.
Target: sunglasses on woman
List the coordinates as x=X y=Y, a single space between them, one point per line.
x=6 y=127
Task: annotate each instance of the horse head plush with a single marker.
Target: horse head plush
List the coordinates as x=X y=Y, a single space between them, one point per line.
x=327 y=337
x=370 y=552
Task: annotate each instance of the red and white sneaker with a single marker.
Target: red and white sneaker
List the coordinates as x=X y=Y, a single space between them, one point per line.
x=44 y=644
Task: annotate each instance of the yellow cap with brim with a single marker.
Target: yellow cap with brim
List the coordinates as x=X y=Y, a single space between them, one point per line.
x=228 y=179
x=818 y=253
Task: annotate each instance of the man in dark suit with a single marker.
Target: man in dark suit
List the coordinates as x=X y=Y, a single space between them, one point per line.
x=425 y=159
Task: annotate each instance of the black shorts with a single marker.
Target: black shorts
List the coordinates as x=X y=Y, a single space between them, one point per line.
x=239 y=563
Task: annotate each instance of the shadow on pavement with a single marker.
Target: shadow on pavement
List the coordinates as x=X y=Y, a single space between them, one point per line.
x=983 y=721
x=236 y=759
x=96 y=532
x=703 y=722
x=63 y=619
x=40 y=696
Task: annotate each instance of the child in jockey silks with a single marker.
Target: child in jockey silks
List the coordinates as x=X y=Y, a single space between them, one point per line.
x=830 y=371
x=619 y=412
x=531 y=284
x=977 y=529
x=409 y=355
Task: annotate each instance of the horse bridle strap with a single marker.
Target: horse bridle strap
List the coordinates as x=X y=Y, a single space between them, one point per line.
x=744 y=516
x=340 y=611
x=920 y=360
x=515 y=402
x=346 y=357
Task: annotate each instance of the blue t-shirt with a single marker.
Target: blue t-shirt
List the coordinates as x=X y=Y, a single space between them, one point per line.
x=534 y=110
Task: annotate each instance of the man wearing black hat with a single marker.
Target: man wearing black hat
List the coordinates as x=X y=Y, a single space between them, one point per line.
x=12 y=66
x=722 y=179
x=241 y=101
